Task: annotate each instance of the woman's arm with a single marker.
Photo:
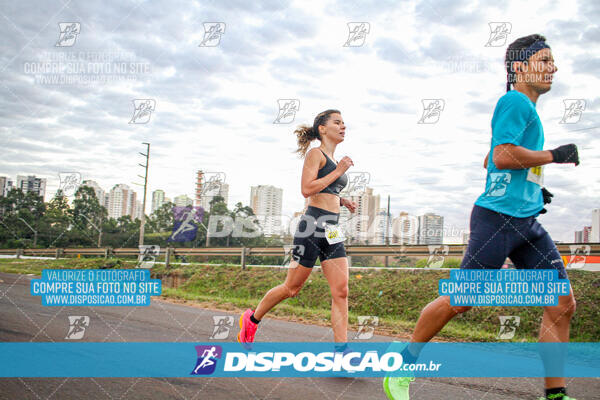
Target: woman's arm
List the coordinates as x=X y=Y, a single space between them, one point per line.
x=310 y=184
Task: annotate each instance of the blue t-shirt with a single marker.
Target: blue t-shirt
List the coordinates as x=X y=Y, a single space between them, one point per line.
x=516 y=192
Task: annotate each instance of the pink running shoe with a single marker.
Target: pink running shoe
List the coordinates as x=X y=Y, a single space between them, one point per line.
x=247 y=330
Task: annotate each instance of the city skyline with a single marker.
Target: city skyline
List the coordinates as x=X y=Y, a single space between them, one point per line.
x=458 y=232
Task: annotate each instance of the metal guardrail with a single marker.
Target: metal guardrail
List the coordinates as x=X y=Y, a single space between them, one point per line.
x=565 y=249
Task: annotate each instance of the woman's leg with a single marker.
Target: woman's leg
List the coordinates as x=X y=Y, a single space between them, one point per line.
x=297 y=275
x=336 y=272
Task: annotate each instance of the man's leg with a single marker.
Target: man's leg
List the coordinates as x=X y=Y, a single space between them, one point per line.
x=540 y=252
x=555 y=328
x=434 y=317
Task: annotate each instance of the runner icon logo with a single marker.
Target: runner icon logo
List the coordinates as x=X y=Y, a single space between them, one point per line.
x=508 y=326
x=68 y=33
x=212 y=34
x=573 y=110
x=147 y=257
x=357 y=33
x=437 y=255
x=69 y=183
x=207 y=359
x=357 y=183
x=292 y=252
x=498 y=183
x=212 y=183
x=77 y=325
x=142 y=110
x=187 y=219
x=366 y=326
x=432 y=109
x=578 y=256
x=287 y=111
x=499 y=32
x=222 y=326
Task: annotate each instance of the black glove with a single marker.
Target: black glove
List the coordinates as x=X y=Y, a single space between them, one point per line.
x=547 y=196
x=547 y=199
x=565 y=154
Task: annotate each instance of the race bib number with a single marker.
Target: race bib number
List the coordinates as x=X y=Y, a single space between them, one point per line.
x=536 y=175
x=334 y=234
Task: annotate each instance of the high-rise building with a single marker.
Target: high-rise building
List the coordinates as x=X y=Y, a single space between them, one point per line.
x=378 y=227
x=209 y=185
x=3 y=181
x=366 y=210
x=431 y=229
x=465 y=237
x=183 y=201
x=595 y=234
x=158 y=199
x=121 y=201
x=587 y=234
x=100 y=193
x=10 y=185
x=266 y=203
x=138 y=210
x=405 y=229
x=30 y=183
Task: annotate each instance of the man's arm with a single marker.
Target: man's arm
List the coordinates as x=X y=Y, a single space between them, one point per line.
x=509 y=156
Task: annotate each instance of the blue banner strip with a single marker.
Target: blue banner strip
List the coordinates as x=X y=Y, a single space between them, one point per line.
x=297 y=359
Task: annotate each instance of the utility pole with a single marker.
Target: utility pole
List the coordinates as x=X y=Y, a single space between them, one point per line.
x=143 y=221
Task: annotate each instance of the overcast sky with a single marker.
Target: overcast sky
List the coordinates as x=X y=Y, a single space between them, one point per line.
x=215 y=104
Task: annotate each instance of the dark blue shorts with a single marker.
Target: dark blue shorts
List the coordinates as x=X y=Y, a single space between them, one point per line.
x=310 y=241
x=496 y=236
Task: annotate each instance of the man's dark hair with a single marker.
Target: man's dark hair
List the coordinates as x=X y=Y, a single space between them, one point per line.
x=515 y=52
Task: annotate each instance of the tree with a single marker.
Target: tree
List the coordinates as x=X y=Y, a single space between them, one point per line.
x=18 y=212
x=161 y=220
x=87 y=216
x=56 y=221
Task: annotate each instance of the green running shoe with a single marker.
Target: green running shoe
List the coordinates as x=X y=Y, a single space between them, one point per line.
x=556 y=396
x=396 y=388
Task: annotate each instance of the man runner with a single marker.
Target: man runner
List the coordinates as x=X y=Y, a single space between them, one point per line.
x=503 y=221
